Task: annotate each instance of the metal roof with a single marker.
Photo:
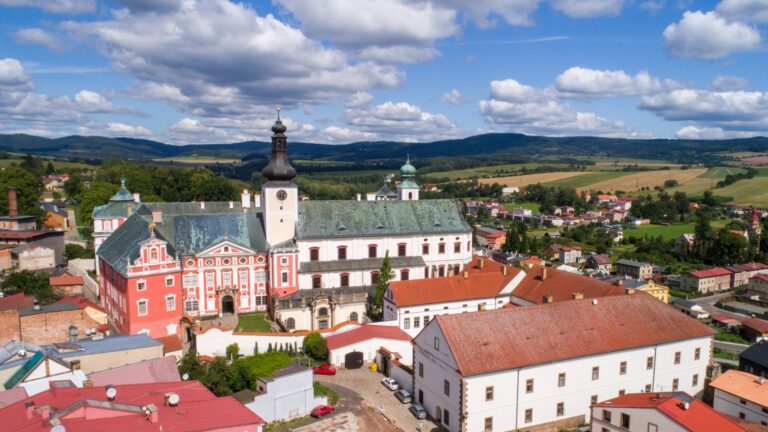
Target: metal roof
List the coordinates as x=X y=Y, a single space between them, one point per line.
x=105 y=345
x=757 y=353
x=361 y=264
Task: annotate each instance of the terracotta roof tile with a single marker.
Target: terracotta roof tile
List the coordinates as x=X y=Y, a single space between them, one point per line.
x=66 y=280
x=170 y=343
x=743 y=385
x=713 y=272
x=561 y=285
x=366 y=332
x=756 y=324
x=508 y=338
x=16 y=301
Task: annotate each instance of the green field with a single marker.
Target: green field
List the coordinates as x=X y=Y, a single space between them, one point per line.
x=56 y=164
x=587 y=178
x=492 y=171
x=305 y=162
x=721 y=172
x=747 y=192
x=532 y=206
x=193 y=160
x=669 y=232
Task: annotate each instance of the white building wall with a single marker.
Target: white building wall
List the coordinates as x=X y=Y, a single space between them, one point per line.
x=287 y=397
x=356 y=278
x=640 y=420
x=413 y=319
x=727 y=403
x=369 y=348
x=431 y=367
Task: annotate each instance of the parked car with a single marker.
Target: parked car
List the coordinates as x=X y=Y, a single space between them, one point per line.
x=322 y=410
x=325 y=369
x=418 y=411
x=390 y=384
x=403 y=396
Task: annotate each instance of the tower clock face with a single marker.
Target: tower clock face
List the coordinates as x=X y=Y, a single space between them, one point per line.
x=282 y=195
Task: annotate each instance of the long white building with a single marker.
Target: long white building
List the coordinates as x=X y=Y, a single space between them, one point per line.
x=742 y=395
x=542 y=367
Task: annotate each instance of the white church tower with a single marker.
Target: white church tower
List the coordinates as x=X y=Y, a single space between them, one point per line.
x=280 y=195
x=408 y=189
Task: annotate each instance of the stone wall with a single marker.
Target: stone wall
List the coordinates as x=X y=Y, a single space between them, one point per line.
x=9 y=326
x=49 y=327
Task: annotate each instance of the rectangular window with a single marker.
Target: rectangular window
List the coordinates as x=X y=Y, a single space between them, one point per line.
x=675 y=383
x=227 y=279
x=404 y=274
x=742 y=401
x=649 y=363
x=169 y=281
x=190 y=281
x=595 y=373
x=677 y=357
x=416 y=322
x=401 y=250
x=625 y=420
x=441 y=248
x=243 y=279
x=607 y=415
x=647 y=388
x=284 y=277
x=344 y=280
x=406 y=323
x=446 y=388
x=261 y=276
x=425 y=249
x=317 y=281
x=191 y=305
x=446 y=417
x=457 y=247
x=421 y=370
x=623 y=368
x=210 y=280
x=170 y=303
x=697 y=354
x=284 y=260
x=141 y=286
x=426 y=319
x=742 y=415
x=561 y=380
x=529 y=385
x=489 y=393
x=695 y=380
x=560 y=409
x=437 y=344
x=593 y=400
x=653 y=428
x=489 y=424
x=142 y=307
x=372 y=251
x=314 y=254
x=528 y=415
x=343 y=253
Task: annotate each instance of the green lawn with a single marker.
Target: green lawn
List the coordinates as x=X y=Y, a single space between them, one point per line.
x=669 y=232
x=321 y=390
x=289 y=425
x=752 y=191
x=264 y=365
x=718 y=353
x=255 y=322
x=492 y=171
x=587 y=179
x=532 y=206
x=198 y=160
x=721 y=172
x=726 y=336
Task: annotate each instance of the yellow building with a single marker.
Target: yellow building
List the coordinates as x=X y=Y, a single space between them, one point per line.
x=661 y=292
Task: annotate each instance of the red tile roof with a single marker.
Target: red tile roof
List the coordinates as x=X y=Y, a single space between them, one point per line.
x=756 y=324
x=713 y=272
x=509 y=338
x=157 y=370
x=170 y=343
x=478 y=283
x=66 y=280
x=16 y=301
x=80 y=302
x=198 y=410
x=748 y=267
x=601 y=259
x=698 y=417
x=761 y=276
x=21 y=235
x=561 y=285
x=725 y=320
x=366 y=332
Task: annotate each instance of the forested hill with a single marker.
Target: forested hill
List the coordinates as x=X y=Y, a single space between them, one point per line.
x=499 y=147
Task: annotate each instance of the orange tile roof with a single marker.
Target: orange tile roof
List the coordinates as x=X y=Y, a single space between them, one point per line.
x=66 y=280
x=756 y=324
x=698 y=417
x=478 y=283
x=170 y=343
x=561 y=285
x=743 y=385
x=16 y=301
x=508 y=338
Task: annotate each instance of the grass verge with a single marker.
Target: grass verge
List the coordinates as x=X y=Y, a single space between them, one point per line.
x=321 y=390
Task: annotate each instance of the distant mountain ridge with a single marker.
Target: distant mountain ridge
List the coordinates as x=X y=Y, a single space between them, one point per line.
x=498 y=146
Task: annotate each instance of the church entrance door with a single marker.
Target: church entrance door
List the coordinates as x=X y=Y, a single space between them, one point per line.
x=228 y=305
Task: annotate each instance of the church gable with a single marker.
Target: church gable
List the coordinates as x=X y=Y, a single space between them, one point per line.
x=224 y=247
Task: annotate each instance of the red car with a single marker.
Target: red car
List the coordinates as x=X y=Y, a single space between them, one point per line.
x=322 y=410
x=325 y=369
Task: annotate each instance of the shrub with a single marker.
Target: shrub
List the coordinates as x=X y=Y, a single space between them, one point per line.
x=315 y=346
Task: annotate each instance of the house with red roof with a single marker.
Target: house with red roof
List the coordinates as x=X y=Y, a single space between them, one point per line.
x=667 y=412
x=742 y=273
x=706 y=281
x=754 y=328
x=352 y=347
x=759 y=284
x=173 y=406
x=741 y=395
x=67 y=285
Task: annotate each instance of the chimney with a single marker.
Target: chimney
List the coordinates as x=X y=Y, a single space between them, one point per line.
x=619 y=282
x=202 y=205
x=45 y=412
x=578 y=296
x=629 y=291
x=245 y=198
x=480 y=263
x=466 y=274
x=29 y=407
x=547 y=298
x=137 y=198
x=157 y=216
x=88 y=384
x=544 y=273
x=257 y=200
x=13 y=207
x=74 y=365
x=504 y=270
x=359 y=196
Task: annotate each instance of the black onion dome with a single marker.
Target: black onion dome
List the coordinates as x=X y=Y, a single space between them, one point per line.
x=279 y=169
x=279 y=127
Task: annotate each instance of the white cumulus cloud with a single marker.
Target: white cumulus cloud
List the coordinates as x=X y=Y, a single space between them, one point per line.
x=55 y=6
x=37 y=36
x=584 y=82
x=695 y=132
x=454 y=97
x=744 y=10
x=339 y=135
x=709 y=36
x=588 y=8
x=401 y=121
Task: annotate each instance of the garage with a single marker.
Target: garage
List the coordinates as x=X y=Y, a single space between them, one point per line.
x=353 y=360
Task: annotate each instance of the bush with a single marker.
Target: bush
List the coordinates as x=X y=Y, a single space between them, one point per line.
x=321 y=390
x=233 y=351
x=263 y=365
x=74 y=251
x=671 y=183
x=315 y=346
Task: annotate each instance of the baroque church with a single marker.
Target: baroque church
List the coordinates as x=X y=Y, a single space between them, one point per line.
x=310 y=264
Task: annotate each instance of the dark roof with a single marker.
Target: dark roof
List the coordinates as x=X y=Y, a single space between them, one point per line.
x=344 y=219
x=53 y=208
x=757 y=353
x=56 y=307
x=503 y=339
x=632 y=263
x=28 y=235
x=360 y=264
x=683 y=302
x=113 y=209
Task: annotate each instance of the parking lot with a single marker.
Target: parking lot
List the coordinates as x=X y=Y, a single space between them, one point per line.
x=368 y=386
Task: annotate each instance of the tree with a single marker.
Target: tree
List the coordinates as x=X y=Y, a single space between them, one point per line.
x=315 y=346
x=233 y=351
x=191 y=366
x=28 y=189
x=221 y=379
x=256 y=348
x=729 y=248
x=709 y=198
x=30 y=283
x=74 y=186
x=704 y=235
x=216 y=189
x=385 y=275
x=75 y=251
x=269 y=347
x=49 y=168
x=670 y=183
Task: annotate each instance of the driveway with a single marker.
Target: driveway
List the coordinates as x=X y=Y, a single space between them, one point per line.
x=366 y=385
x=708 y=304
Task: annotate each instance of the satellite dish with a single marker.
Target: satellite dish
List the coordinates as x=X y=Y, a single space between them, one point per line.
x=59 y=428
x=173 y=399
x=22 y=353
x=594 y=301
x=87 y=332
x=185 y=376
x=111 y=393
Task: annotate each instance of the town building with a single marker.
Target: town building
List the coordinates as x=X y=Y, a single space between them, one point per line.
x=174 y=406
x=543 y=285
x=754 y=360
x=754 y=328
x=55 y=218
x=47 y=324
x=742 y=395
x=742 y=273
x=312 y=264
x=156 y=370
x=543 y=367
x=706 y=281
x=67 y=285
x=287 y=394
x=759 y=285
x=693 y=310
x=634 y=269
x=649 y=286
x=490 y=238
x=658 y=412
x=600 y=263
x=27 y=243
x=354 y=348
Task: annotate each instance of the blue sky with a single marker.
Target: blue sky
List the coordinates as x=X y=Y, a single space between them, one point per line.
x=209 y=71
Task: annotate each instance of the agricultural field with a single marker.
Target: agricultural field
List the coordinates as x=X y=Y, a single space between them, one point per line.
x=56 y=164
x=747 y=192
x=489 y=171
x=198 y=160
x=528 y=179
x=588 y=178
x=649 y=179
x=532 y=206
x=669 y=232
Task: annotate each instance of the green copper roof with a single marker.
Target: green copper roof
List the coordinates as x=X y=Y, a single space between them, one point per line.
x=339 y=219
x=112 y=209
x=385 y=191
x=123 y=194
x=408 y=170
x=408 y=184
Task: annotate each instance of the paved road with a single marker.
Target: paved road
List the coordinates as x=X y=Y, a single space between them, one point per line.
x=351 y=415
x=735 y=348
x=708 y=304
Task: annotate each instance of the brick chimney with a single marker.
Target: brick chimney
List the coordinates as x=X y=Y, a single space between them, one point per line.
x=578 y=296
x=544 y=273
x=480 y=263
x=29 y=407
x=13 y=206
x=620 y=283
x=504 y=270
x=629 y=291
x=547 y=298
x=466 y=274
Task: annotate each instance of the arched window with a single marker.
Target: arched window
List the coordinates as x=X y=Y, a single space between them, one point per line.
x=410 y=196
x=290 y=324
x=441 y=271
x=353 y=316
x=344 y=279
x=374 y=277
x=314 y=254
x=401 y=249
x=371 y=251
x=425 y=249
x=456 y=269
x=342 y=252
x=317 y=281
x=153 y=255
x=404 y=274
x=323 y=312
